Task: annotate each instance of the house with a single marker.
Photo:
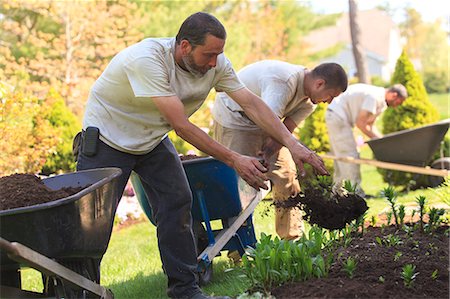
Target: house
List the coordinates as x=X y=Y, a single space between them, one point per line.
x=380 y=40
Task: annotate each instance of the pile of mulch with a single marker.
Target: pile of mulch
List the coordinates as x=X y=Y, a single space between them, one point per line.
x=327 y=209
x=22 y=190
x=378 y=269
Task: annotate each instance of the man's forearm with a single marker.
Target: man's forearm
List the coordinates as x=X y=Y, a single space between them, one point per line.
x=198 y=138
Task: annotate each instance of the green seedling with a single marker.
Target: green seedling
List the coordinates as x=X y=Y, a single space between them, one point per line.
x=434 y=275
x=349 y=187
x=401 y=214
x=381 y=279
x=379 y=241
x=413 y=213
x=435 y=220
x=391 y=196
x=409 y=274
x=397 y=256
x=389 y=217
x=350 y=267
x=421 y=201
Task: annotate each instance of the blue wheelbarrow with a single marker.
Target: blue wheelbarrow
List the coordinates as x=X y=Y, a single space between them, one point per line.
x=216 y=196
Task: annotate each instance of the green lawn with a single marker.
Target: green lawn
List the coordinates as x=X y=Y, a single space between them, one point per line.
x=442 y=103
x=131 y=267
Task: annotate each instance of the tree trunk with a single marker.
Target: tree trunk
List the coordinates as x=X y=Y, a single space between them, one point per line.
x=358 y=51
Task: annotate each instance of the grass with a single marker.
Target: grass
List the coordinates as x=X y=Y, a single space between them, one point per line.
x=441 y=102
x=131 y=267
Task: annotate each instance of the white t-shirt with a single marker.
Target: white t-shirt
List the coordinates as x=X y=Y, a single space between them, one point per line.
x=120 y=103
x=359 y=97
x=278 y=83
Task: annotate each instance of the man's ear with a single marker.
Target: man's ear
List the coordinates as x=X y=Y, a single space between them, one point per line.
x=185 y=47
x=319 y=83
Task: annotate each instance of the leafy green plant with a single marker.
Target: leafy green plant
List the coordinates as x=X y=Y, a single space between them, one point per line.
x=388 y=217
x=413 y=213
x=350 y=187
x=416 y=111
x=443 y=192
x=401 y=214
x=349 y=267
x=397 y=256
x=434 y=275
x=434 y=219
x=391 y=196
x=409 y=274
x=274 y=262
x=391 y=240
x=381 y=279
x=421 y=201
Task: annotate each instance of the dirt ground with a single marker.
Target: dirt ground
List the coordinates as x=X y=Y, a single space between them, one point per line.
x=22 y=190
x=378 y=271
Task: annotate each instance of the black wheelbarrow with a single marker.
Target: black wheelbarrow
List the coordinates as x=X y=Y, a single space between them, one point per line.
x=63 y=238
x=216 y=196
x=414 y=147
x=409 y=151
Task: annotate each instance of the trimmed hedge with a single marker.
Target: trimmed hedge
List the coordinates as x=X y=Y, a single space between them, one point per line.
x=416 y=111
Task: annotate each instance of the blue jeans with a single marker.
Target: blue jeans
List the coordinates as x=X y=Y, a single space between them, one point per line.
x=167 y=189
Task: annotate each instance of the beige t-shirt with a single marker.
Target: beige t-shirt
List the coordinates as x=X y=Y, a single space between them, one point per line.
x=359 y=97
x=120 y=102
x=278 y=83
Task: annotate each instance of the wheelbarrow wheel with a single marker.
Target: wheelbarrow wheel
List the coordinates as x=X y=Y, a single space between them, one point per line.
x=205 y=272
x=87 y=267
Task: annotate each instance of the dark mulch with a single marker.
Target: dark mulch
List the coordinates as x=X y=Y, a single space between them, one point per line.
x=326 y=209
x=22 y=190
x=427 y=252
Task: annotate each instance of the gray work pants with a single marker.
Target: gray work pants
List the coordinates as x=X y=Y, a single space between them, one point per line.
x=167 y=189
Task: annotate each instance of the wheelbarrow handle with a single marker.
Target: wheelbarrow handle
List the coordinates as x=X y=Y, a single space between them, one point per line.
x=23 y=254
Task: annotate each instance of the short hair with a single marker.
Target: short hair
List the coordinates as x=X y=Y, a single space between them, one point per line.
x=399 y=89
x=333 y=74
x=195 y=28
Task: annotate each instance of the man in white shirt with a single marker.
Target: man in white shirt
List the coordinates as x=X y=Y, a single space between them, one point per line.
x=151 y=88
x=360 y=105
x=291 y=91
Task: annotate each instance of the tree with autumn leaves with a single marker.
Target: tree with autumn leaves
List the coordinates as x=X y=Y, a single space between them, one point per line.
x=52 y=52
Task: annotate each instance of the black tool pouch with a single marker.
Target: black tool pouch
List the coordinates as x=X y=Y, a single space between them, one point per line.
x=89 y=141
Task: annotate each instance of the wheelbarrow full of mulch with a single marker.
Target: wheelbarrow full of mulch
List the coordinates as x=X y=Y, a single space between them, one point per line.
x=216 y=202
x=64 y=239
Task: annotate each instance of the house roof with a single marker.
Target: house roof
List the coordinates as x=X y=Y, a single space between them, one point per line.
x=375 y=26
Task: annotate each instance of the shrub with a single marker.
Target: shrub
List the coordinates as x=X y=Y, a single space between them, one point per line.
x=314 y=133
x=26 y=137
x=416 y=111
x=66 y=126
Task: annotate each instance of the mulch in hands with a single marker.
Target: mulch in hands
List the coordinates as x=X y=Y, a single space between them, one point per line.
x=325 y=208
x=378 y=270
x=22 y=190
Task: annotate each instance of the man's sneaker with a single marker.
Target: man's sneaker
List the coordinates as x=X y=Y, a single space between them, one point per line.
x=203 y=296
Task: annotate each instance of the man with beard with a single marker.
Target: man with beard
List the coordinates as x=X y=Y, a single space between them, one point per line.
x=291 y=91
x=151 y=88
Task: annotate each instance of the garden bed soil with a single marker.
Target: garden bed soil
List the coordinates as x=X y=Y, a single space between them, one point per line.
x=378 y=272
x=22 y=190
